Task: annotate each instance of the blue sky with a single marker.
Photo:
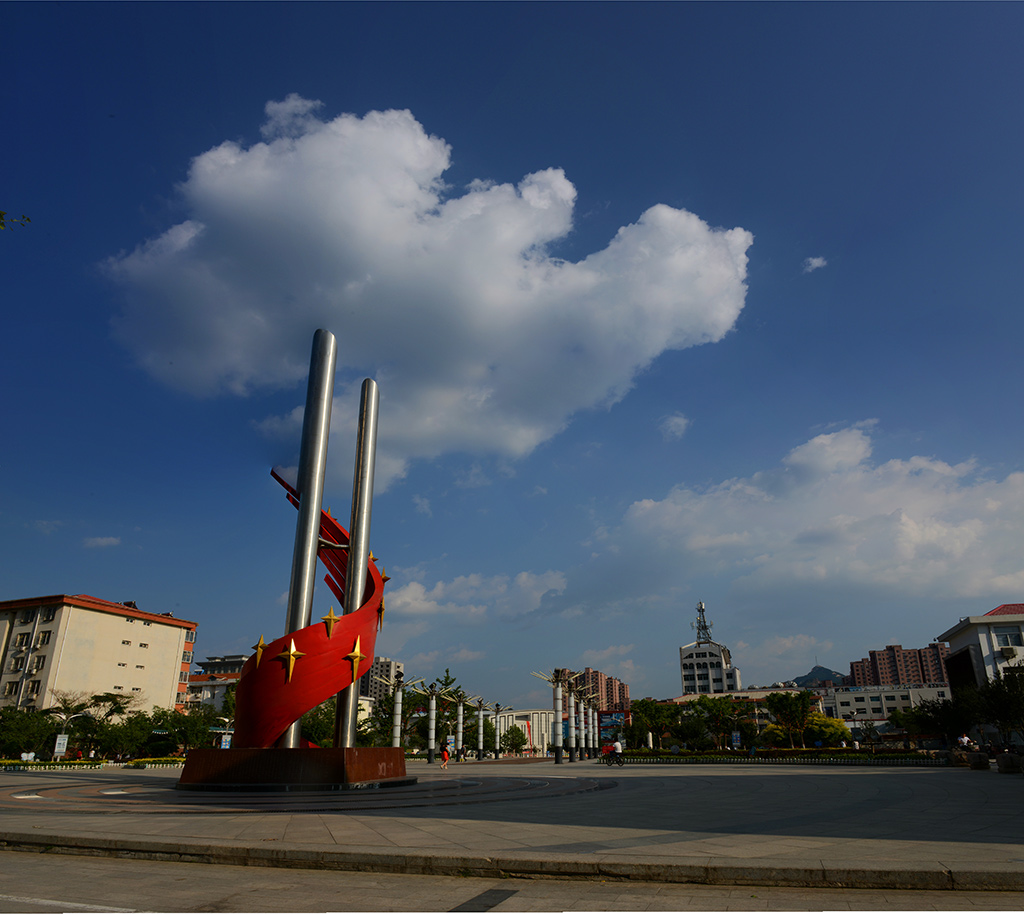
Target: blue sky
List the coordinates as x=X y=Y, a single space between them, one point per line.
x=667 y=303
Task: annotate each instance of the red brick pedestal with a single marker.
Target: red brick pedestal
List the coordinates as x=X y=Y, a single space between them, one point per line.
x=293 y=769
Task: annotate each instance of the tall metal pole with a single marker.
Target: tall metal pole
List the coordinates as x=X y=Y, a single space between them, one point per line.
x=584 y=742
x=558 y=721
x=316 y=427
x=358 y=546
x=497 y=735
x=458 y=731
x=572 y=726
x=396 y=726
x=480 y=730
x=431 y=724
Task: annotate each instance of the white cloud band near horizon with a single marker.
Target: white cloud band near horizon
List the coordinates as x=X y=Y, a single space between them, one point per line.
x=829 y=515
x=481 y=339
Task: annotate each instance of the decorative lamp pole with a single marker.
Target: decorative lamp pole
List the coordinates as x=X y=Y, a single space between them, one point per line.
x=431 y=721
x=558 y=721
x=497 y=735
x=584 y=733
x=458 y=728
x=479 y=729
x=396 y=725
x=572 y=724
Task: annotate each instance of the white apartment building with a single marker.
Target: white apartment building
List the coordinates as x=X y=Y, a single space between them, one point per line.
x=980 y=646
x=856 y=705
x=82 y=644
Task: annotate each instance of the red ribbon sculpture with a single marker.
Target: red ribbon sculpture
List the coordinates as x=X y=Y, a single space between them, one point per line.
x=290 y=676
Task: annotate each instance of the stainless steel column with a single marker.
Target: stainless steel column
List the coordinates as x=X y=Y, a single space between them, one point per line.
x=358 y=546
x=558 y=722
x=316 y=427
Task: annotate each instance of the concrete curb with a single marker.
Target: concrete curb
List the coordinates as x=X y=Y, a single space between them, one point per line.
x=709 y=871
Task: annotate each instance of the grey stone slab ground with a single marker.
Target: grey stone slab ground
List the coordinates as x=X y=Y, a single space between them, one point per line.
x=928 y=829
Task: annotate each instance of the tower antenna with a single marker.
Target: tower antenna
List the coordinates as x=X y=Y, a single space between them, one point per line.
x=702 y=626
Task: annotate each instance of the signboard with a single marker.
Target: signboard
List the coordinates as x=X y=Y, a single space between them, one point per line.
x=61 y=746
x=225 y=741
x=735 y=739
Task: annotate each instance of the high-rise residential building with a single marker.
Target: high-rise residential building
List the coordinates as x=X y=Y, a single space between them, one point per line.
x=705 y=664
x=897 y=665
x=82 y=644
x=607 y=693
x=384 y=668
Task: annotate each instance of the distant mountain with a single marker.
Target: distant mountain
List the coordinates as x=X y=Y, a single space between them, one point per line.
x=817 y=676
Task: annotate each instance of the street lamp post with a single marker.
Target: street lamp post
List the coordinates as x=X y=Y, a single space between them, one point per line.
x=396 y=723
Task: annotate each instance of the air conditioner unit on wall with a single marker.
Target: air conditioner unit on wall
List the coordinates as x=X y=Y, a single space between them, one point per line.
x=1008 y=652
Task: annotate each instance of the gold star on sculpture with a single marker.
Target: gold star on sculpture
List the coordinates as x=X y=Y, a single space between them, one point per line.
x=329 y=621
x=354 y=658
x=384 y=576
x=258 y=647
x=290 y=656
x=373 y=558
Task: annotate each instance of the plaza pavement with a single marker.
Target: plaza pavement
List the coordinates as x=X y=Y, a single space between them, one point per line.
x=870 y=827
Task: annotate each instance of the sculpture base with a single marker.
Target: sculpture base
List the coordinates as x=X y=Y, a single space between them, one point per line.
x=293 y=769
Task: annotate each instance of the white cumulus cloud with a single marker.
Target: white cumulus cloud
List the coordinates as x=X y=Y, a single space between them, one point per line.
x=101 y=542
x=814 y=263
x=482 y=340
x=830 y=514
x=674 y=427
x=473 y=597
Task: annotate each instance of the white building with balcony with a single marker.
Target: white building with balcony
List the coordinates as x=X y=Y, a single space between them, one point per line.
x=981 y=646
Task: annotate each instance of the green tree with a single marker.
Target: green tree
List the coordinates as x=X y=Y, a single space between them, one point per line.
x=126 y=737
x=826 y=729
x=649 y=716
x=720 y=716
x=1001 y=701
x=952 y=716
x=791 y=711
x=317 y=724
x=7 y=222
x=187 y=731
x=513 y=740
x=26 y=731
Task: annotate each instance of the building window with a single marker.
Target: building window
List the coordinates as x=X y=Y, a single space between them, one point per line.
x=17 y=664
x=127 y=642
x=186 y=657
x=1008 y=636
x=842 y=704
x=27 y=616
x=37 y=664
x=139 y=666
x=144 y=622
x=940 y=694
x=128 y=619
x=182 y=677
x=861 y=700
x=141 y=644
x=33 y=687
x=22 y=640
x=43 y=638
x=136 y=689
x=10 y=688
x=190 y=635
x=118 y=688
x=122 y=664
x=48 y=614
